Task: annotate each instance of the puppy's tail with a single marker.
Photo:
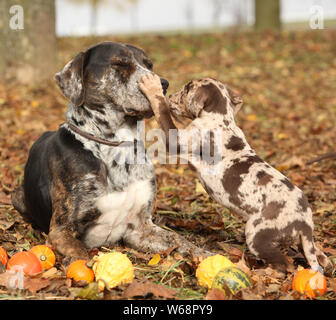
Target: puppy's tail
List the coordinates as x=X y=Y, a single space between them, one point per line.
x=314 y=256
x=310 y=253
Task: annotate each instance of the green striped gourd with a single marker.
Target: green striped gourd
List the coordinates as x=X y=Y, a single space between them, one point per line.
x=232 y=277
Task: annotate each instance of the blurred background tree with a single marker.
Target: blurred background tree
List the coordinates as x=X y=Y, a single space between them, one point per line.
x=28 y=40
x=94 y=4
x=119 y=4
x=267 y=15
x=189 y=14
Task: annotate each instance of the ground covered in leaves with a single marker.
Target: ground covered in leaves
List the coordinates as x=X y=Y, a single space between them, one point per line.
x=288 y=83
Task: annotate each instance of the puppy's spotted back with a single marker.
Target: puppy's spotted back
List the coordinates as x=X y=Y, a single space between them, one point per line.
x=277 y=212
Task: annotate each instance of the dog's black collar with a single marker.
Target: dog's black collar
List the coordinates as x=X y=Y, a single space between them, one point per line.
x=99 y=140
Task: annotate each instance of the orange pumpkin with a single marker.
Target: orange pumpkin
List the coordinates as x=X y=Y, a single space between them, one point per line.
x=78 y=270
x=3 y=256
x=27 y=261
x=310 y=282
x=45 y=255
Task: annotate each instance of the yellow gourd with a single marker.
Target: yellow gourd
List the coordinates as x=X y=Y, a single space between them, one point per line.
x=113 y=269
x=209 y=267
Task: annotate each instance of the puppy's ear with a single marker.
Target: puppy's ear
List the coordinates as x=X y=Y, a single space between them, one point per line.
x=209 y=98
x=197 y=103
x=236 y=100
x=71 y=79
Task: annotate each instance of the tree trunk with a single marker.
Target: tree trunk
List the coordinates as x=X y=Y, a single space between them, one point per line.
x=134 y=12
x=267 y=15
x=27 y=40
x=94 y=13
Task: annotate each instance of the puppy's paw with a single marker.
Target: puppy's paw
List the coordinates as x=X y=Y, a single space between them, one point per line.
x=150 y=86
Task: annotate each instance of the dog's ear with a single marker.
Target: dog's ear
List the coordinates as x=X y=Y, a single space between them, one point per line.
x=71 y=79
x=236 y=100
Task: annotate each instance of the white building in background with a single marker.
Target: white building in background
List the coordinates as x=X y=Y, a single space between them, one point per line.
x=73 y=18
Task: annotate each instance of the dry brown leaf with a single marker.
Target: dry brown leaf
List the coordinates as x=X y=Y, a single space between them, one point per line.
x=297 y=178
x=35 y=284
x=142 y=289
x=288 y=296
x=273 y=287
x=168 y=251
x=5 y=279
x=235 y=254
x=5 y=199
x=241 y=264
x=139 y=255
x=248 y=294
x=330 y=181
x=215 y=294
x=224 y=246
x=56 y=284
x=332 y=284
x=5 y=225
x=330 y=250
x=286 y=287
x=290 y=163
x=14 y=280
x=271 y=274
x=189 y=224
x=51 y=273
x=326 y=208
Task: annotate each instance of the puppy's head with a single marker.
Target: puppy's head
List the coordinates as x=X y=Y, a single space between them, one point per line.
x=108 y=75
x=204 y=94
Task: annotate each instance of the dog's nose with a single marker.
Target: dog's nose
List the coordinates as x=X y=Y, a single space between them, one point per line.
x=164 y=84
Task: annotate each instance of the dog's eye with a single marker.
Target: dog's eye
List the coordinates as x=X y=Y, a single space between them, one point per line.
x=148 y=63
x=119 y=63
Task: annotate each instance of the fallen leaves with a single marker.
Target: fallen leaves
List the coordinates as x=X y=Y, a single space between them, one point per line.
x=155 y=260
x=215 y=294
x=326 y=208
x=287 y=120
x=35 y=284
x=147 y=288
x=6 y=224
x=5 y=199
x=199 y=188
x=89 y=292
x=17 y=280
x=292 y=162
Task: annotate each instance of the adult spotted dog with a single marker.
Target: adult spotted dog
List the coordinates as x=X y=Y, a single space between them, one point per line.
x=76 y=186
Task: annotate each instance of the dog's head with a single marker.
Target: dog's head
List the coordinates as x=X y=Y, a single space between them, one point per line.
x=108 y=74
x=204 y=94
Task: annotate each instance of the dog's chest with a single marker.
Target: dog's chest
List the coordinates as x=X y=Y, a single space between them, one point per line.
x=122 y=207
x=119 y=209
x=126 y=194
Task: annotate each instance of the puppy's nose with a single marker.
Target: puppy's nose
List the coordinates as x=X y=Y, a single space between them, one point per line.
x=164 y=84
